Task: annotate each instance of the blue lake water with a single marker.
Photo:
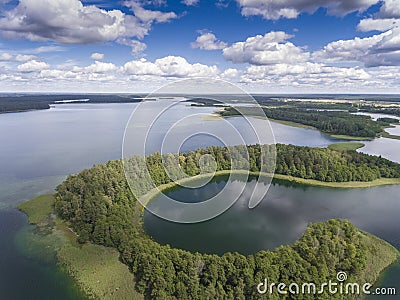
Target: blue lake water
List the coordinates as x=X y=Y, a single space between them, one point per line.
x=39 y=148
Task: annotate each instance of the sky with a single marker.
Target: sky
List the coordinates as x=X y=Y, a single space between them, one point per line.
x=263 y=46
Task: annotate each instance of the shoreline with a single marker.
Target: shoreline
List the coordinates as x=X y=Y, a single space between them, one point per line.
x=99 y=273
x=149 y=196
x=216 y=115
x=96 y=270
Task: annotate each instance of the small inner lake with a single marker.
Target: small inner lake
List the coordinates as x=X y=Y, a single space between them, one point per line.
x=280 y=219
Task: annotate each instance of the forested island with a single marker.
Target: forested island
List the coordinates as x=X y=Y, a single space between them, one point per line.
x=20 y=103
x=336 y=123
x=99 y=207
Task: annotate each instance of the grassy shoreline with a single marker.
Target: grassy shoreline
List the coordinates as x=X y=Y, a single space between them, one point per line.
x=292 y=124
x=96 y=269
x=390 y=136
x=151 y=195
x=99 y=273
x=299 y=125
x=346 y=146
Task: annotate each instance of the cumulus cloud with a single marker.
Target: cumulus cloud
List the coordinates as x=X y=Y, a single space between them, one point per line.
x=143 y=74
x=378 y=50
x=18 y=57
x=208 y=41
x=137 y=47
x=69 y=21
x=97 y=56
x=378 y=24
x=24 y=57
x=169 y=66
x=386 y=18
x=307 y=76
x=33 y=66
x=230 y=73
x=271 y=48
x=5 y=57
x=149 y=16
x=275 y=9
x=97 y=67
x=389 y=9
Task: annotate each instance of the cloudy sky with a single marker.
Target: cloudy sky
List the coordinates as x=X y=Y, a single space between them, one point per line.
x=264 y=46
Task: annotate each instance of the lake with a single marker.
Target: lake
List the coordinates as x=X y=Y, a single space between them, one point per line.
x=280 y=219
x=39 y=148
x=388 y=148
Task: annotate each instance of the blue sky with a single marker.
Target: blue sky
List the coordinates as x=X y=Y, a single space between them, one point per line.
x=265 y=46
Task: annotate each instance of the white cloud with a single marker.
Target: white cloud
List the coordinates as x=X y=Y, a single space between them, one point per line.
x=69 y=21
x=230 y=74
x=149 y=16
x=33 y=66
x=386 y=18
x=97 y=67
x=23 y=57
x=169 y=66
x=136 y=47
x=378 y=50
x=143 y=76
x=275 y=9
x=16 y=57
x=5 y=57
x=308 y=77
x=347 y=50
x=389 y=9
x=208 y=41
x=272 y=48
x=377 y=24
x=141 y=67
x=97 y=56
x=190 y=2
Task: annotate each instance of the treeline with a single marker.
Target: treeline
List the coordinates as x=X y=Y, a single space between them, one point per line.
x=17 y=105
x=332 y=166
x=331 y=122
x=311 y=104
x=100 y=208
x=304 y=162
x=32 y=102
x=388 y=121
x=380 y=110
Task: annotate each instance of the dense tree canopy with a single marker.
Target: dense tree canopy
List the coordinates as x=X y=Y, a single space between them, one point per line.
x=331 y=122
x=33 y=102
x=100 y=208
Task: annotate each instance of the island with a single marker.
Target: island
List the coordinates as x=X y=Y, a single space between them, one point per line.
x=26 y=102
x=106 y=249
x=338 y=124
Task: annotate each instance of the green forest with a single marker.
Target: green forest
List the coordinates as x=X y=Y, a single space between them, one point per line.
x=304 y=162
x=18 y=103
x=100 y=208
x=327 y=121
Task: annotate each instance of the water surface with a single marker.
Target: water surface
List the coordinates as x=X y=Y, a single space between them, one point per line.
x=280 y=219
x=40 y=148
